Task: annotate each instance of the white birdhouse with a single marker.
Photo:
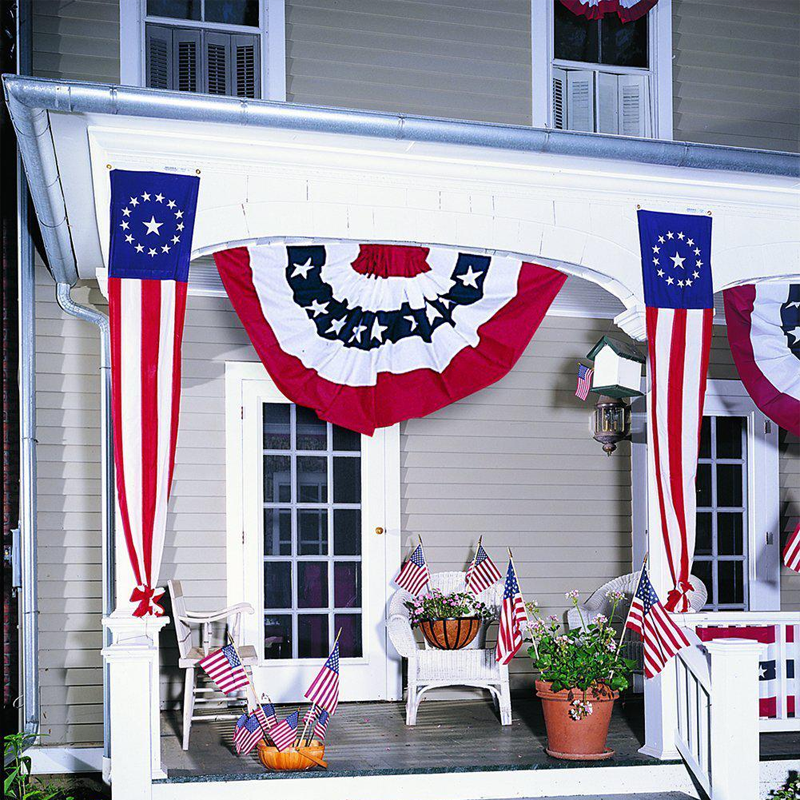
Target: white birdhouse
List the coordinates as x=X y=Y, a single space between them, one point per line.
x=617 y=368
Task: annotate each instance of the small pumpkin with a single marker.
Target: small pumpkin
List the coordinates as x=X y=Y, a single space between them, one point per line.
x=291 y=760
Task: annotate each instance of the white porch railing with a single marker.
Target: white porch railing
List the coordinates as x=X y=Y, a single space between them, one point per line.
x=785 y=649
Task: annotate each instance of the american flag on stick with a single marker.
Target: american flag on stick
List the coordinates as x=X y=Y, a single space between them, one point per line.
x=584 y=381
x=414 y=574
x=791 y=553
x=512 y=617
x=482 y=572
x=247 y=734
x=265 y=714
x=661 y=637
x=321 y=727
x=324 y=689
x=284 y=734
x=225 y=669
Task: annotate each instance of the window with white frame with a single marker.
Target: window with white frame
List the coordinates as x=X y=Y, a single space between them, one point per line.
x=226 y=47
x=602 y=75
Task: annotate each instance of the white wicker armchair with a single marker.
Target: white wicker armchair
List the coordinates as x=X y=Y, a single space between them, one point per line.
x=429 y=668
x=598 y=604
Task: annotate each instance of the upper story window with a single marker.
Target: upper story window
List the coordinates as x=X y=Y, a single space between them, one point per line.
x=602 y=75
x=228 y=47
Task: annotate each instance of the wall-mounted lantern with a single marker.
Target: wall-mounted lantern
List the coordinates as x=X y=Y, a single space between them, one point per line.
x=617 y=374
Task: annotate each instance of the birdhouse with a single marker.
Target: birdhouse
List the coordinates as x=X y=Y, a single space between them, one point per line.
x=617 y=368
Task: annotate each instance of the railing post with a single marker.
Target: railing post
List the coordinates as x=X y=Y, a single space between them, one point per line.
x=132 y=659
x=734 y=718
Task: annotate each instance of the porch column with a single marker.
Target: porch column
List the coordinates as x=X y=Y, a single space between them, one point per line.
x=133 y=663
x=660 y=693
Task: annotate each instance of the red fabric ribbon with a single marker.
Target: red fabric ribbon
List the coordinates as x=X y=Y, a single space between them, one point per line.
x=147 y=598
x=678 y=598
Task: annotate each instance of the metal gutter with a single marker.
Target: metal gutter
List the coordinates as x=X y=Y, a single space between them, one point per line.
x=91 y=315
x=29 y=100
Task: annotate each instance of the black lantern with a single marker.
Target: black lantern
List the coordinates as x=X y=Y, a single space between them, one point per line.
x=612 y=422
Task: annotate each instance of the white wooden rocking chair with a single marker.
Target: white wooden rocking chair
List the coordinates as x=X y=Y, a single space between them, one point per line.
x=190 y=654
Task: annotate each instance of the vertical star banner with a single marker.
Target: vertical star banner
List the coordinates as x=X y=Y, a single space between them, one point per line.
x=679 y=296
x=152 y=220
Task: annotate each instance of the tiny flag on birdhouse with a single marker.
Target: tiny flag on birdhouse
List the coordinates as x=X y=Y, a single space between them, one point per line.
x=584 y=381
x=617 y=368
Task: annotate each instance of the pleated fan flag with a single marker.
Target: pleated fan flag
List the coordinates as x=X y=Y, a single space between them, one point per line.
x=369 y=335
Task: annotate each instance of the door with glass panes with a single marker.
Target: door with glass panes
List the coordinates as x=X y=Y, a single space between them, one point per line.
x=318 y=545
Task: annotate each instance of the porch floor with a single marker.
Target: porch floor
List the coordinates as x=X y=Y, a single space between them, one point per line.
x=458 y=735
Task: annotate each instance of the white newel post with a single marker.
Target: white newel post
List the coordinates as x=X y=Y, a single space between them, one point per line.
x=133 y=660
x=734 y=718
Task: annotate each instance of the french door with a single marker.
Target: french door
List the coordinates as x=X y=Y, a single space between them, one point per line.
x=319 y=540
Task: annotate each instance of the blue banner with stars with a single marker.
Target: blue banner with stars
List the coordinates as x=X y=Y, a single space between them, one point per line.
x=676 y=260
x=152 y=221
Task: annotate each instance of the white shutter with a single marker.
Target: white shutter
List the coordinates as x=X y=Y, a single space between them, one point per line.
x=580 y=100
x=218 y=63
x=559 y=99
x=159 y=57
x=634 y=105
x=606 y=104
x=246 y=66
x=186 y=58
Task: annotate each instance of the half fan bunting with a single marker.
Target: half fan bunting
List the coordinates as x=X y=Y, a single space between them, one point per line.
x=369 y=335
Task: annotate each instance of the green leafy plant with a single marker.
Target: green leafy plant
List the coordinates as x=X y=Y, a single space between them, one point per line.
x=586 y=658
x=436 y=605
x=18 y=783
x=790 y=791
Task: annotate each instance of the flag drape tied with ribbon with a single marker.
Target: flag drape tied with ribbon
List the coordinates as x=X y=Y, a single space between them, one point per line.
x=152 y=220
x=679 y=296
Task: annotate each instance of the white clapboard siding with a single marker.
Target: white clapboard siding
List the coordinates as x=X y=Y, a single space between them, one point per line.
x=735 y=73
x=464 y=59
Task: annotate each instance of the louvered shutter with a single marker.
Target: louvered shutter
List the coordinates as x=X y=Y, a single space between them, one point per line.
x=186 y=57
x=159 y=57
x=218 y=63
x=634 y=105
x=246 y=70
x=559 y=99
x=580 y=100
x=606 y=105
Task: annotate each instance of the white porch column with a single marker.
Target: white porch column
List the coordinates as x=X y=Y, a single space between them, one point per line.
x=133 y=663
x=734 y=718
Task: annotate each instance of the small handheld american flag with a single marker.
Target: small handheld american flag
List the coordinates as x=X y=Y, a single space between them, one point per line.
x=512 y=617
x=284 y=734
x=584 y=381
x=247 y=734
x=414 y=574
x=265 y=714
x=321 y=728
x=661 y=637
x=324 y=689
x=225 y=669
x=482 y=572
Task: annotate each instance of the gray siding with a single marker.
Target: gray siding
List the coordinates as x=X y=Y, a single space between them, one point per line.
x=464 y=59
x=737 y=73
x=76 y=39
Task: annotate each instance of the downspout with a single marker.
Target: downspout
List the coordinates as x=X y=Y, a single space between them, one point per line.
x=94 y=317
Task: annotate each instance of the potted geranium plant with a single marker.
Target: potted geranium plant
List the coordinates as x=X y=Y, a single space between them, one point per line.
x=448 y=621
x=581 y=675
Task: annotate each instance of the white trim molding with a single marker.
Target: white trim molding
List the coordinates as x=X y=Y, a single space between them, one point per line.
x=65 y=760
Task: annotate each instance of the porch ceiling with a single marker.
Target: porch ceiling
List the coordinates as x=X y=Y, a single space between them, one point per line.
x=262 y=180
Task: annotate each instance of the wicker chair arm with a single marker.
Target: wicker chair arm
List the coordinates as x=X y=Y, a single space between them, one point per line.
x=401 y=636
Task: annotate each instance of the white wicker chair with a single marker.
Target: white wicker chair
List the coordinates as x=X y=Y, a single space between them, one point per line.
x=598 y=604
x=429 y=668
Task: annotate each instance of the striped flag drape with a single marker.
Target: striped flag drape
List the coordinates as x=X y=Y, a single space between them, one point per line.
x=152 y=218
x=679 y=298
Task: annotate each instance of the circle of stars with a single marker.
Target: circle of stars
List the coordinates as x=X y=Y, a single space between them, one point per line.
x=690 y=264
x=140 y=240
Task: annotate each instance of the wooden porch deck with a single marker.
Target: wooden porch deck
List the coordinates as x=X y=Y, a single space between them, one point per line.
x=462 y=735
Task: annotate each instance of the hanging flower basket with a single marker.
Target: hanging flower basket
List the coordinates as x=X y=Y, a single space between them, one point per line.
x=450 y=634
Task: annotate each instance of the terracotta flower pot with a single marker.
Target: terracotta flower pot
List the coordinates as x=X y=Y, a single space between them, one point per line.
x=291 y=760
x=450 y=634
x=576 y=739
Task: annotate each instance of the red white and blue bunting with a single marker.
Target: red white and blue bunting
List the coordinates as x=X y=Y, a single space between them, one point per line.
x=370 y=334
x=763 y=322
x=626 y=10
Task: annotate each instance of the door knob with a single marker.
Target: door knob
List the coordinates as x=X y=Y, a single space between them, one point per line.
x=379 y=531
